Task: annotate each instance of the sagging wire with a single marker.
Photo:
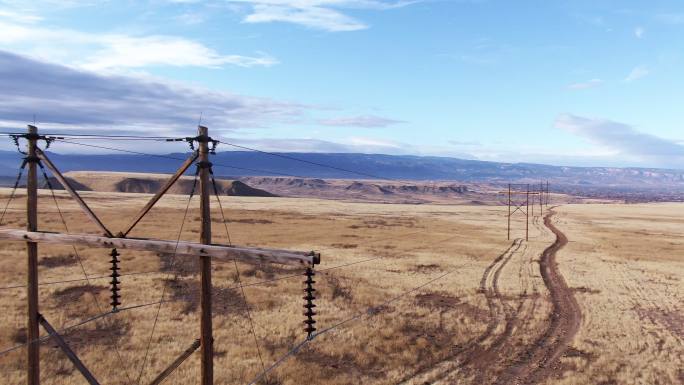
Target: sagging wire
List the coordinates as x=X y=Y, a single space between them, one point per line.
x=80 y=262
x=237 y=269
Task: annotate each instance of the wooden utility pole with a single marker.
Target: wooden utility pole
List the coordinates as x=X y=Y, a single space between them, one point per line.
x=206 y=337
x=204 y=250
x=528 y=206
x=548 y=195
x=527 y=215
x=509 y=211
x=541 y=197
x=33 y=349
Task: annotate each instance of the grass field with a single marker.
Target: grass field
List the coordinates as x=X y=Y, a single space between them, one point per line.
x=438 y=294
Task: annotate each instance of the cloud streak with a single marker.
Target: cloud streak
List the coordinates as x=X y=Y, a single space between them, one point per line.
x=364 y=121
x=624 y=140
x=327 y=15
x=65 y=96
x=107 y=52
x=637 y=73
x=593 y=83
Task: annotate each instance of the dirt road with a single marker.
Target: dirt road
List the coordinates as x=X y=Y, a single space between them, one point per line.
x=541 y=359
x=498 y=354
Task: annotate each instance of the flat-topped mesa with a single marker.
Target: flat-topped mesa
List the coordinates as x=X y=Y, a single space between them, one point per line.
x=219 y=252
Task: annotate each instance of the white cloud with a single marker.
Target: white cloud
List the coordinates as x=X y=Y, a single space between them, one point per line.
x=586 y=85
x=67 y=97
x=191 y=18
x=637 y=73
x=671 y=18
x=363 y=145
x=19 y=17
x=325 y=15
x=366 y=121
x=624 y=140
x=116 y=51
x=639 y=32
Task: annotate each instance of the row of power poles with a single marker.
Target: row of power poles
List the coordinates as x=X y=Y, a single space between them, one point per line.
x=526 y=207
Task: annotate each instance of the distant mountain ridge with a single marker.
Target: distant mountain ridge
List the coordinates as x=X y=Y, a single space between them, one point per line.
x=406 y=167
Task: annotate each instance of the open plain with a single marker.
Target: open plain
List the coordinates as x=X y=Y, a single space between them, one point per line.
x=407 y=294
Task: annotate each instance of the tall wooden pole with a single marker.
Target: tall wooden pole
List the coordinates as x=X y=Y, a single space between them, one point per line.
x=509 y=211
x=541 y=197
x=527 y=215
x=528 y=193
x=33 y=374
x=206 y=337
x=548 y=195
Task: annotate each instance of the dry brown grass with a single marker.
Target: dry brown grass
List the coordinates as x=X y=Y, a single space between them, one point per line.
x=627 y=312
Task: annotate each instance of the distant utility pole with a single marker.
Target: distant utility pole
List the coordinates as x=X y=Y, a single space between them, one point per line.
x=524 y=207
x=509 y=211
x=548 y=194
x=541 y=197
x=527 y=215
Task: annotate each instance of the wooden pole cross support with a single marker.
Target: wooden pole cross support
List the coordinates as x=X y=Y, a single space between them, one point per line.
x=205 y=250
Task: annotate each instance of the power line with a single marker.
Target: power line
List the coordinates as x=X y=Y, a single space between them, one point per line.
x=80 y=323
x=280 y=155
x=237 y=271
x=94 y=136
x=371 y=312
x=172 y=264
x=80 y=263
x=78 y=280
x=175 y=158
x=282 y=359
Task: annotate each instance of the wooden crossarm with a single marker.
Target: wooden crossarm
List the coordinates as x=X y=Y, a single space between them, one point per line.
x=218 y=252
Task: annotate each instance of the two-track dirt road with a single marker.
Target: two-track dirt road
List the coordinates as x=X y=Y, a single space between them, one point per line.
x=504 y=353
x=542 y=357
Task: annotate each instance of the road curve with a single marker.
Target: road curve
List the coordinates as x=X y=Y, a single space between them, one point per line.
x=541 y=359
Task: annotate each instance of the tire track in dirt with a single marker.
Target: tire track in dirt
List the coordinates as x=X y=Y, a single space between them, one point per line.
x=540 y=360
x=499 y=312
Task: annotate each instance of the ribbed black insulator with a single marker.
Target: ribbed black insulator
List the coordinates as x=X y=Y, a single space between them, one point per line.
x=309 y=305
x=114 y=283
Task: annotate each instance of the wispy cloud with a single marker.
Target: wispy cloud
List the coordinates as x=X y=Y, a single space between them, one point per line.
x=77 y=98
x=365 y=121
x=117 y=51
x=637 y=73
x=363 y=145
x=639 y=32
x=586 y=85
x=327 y=15
x=19 y=17
x=670 y=18
x=624 y=140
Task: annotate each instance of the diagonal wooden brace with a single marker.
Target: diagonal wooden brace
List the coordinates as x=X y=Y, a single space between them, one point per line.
x=67 y=186
x=68 y=352
x=184 y=167
x=176 y=363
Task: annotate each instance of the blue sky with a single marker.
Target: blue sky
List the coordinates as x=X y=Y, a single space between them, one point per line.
x=562 y=82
